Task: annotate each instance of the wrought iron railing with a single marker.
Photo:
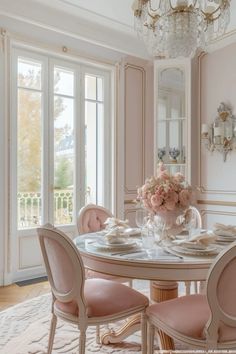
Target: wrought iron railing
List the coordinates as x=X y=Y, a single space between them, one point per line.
x=29 y=208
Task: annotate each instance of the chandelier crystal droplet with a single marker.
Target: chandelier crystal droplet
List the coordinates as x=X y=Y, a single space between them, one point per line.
x=175 y=28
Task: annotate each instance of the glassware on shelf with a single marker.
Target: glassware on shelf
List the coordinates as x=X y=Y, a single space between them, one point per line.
x=174 y=154
x=161 y=153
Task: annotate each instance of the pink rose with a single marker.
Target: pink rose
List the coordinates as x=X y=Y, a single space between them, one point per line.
x=156 y=200
x=184 y=197
x=170 y=203
x=178 y=177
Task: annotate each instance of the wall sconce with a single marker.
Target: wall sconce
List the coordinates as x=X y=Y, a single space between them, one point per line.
x=220 y=135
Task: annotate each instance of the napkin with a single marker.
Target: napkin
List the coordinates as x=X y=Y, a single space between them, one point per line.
x=114 y=223
x=115 y=235
x=200 y=241
x=224 y=230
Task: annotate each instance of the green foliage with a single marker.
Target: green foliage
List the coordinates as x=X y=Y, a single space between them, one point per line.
x=63 y=173
x=29 y=130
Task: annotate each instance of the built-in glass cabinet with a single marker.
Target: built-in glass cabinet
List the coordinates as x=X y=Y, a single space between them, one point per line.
x=172 y=121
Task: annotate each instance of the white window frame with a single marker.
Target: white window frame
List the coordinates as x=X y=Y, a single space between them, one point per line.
x=48 y=60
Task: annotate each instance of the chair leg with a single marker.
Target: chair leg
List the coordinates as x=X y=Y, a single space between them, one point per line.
x=52 y=333
x=98 y=339
x=82 y=341
x=151 y=333
x=144 y=332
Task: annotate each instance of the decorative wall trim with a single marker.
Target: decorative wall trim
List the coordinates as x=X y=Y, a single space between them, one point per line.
x=130 y=201
x=203 y=189
x=143 y=72
x=217 y=212
x=129 y=211
x=217 y=202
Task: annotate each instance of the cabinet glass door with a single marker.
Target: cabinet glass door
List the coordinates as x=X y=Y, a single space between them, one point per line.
x=171 y=119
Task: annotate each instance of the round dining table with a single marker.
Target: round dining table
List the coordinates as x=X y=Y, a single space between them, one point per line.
x=161 y=265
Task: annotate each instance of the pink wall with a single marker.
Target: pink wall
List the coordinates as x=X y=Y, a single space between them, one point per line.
x=217 y=179
x=138 y=128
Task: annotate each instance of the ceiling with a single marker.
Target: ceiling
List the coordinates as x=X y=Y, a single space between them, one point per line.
x=102 y=23
x=114 y=13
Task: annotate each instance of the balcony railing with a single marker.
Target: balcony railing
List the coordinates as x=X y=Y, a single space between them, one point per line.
x=29 y=208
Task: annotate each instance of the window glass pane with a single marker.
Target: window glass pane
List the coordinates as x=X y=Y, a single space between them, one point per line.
x=64 y=156
x=91 y=151
x=90 y=87
x=29 y=158
x=63 y=81
x=29 y=74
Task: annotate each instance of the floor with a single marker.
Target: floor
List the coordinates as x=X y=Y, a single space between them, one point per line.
x=14 y=294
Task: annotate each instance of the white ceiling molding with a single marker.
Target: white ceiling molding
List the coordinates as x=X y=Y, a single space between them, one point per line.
x=38 y=14
x=114 y=14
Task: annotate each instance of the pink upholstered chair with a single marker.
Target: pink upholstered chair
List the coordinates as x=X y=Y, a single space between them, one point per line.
x=84 y=302
x=91 y=218
x=202 y=321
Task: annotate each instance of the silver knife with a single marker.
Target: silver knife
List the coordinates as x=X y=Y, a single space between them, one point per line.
x=126 y=252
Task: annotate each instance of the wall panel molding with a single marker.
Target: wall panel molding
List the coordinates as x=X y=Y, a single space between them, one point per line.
x=134 y=127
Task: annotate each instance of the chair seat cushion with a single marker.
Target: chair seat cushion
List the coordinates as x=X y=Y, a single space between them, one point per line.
x=187 y=315
x=104 y=298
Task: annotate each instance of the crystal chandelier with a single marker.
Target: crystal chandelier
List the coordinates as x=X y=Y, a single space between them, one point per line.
x=175 y=28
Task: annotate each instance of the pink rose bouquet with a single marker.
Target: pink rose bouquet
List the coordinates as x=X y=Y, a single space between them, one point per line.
x=165 y=192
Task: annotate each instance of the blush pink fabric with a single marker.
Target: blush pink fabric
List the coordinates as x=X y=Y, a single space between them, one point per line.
x=226 y=289
x=60 y=265
x=104 y=298
x=93 y=220
x=188 y=315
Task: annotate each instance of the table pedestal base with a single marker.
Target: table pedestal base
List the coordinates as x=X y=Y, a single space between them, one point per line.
x=162 y=291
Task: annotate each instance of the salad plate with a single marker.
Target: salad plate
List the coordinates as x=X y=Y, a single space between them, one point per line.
x=209 y=250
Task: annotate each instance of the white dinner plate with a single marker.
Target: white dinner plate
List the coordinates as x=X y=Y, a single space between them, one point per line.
x=103 y=243
x=225 y=233
x=226 y=238
x=209 y=250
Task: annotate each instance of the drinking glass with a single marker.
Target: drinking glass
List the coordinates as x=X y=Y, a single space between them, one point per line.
x=148 y=239
x=141 y=218
x=192 y=223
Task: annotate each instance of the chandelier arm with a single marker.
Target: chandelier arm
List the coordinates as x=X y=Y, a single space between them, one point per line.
x=155 y=16
x=150 y=5
x=225 y=4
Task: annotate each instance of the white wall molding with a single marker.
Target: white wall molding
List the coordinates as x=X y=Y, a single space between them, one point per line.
x=46 y=18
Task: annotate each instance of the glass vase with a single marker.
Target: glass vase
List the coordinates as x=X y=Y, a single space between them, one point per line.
x=167 y=225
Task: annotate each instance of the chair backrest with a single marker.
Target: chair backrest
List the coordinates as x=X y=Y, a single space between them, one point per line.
x=221 y=295
x=64 y=266
x=91 y=218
